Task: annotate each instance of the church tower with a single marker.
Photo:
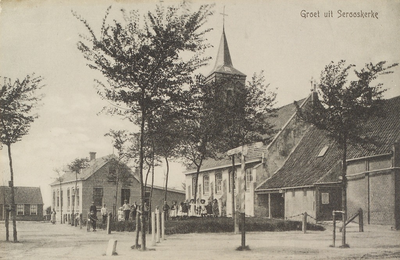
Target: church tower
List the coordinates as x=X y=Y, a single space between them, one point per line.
x=223 y=73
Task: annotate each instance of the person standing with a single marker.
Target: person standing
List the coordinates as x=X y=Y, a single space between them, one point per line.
x=174 y=210
x=93 y=208
x=103 y=213
x=133 y=211
x=203 y=210
x=215 y=208
x=127 y=209
x=166 y=210
x=93 y=219
x=53 y=217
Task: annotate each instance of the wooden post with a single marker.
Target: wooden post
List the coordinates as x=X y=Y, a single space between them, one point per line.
x=109 y=223
x=7 y=216
x=158 y=226
x=243 y=216
x=112 y=247
x=137 y=229
x=360 y=220
x=163 y=225
x=334 y=228
x=269 y=206
x=88 y=223
x=305 y=222
x=153 y=228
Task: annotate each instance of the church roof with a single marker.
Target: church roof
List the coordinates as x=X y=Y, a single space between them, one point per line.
x=223 y=63
x=283 y=115
x=308 y=165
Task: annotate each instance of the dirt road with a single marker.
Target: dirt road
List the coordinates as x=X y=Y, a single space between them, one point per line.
x=46 y=241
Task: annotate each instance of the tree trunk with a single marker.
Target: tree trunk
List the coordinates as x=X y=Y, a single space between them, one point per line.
x=116 y=195
x=6 y=215
x=166 y=179
x=61 y=205
x=74 y=201
x=235 y=222
x=142 y=187
x=344 y=190
x=13 y=208
x=197 y=180
x=152 y=185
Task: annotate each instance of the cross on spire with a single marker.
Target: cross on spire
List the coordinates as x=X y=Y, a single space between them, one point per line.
x=223 y=18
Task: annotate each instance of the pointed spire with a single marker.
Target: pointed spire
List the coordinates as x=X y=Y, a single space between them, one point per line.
x=223 y=62
x=223 y=55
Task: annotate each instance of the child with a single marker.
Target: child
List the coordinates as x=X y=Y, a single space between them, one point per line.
x=173 y=211
x=93 y=219
x=121 y=216
x=203 y=210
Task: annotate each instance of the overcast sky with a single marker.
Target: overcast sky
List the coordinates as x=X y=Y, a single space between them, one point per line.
x=273 y=36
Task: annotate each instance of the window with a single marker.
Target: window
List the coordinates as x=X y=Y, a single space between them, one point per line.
x=58 y=198
x=325 y=198
x=323 y=151
x=61 y=198
x=249 y=177
x=20 y=209
x=304 y=192
x=98 y=196
x=77 y=196
x=54 y=199
x=33 y=209
x=68 y=198
x=125 y=195
x=190 y=192
x=194 y=182
x=293 y=193
x=206 y=184
x=73 y=197
x=218 y=182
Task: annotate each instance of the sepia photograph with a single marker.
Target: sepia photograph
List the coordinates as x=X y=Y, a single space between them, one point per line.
x=178 y=129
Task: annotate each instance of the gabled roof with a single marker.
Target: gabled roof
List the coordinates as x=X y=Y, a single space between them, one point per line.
x=22 y=195
x=223 y=63
x=385 y=130
x=93 y=166
x=304 y=168
x=283 y=115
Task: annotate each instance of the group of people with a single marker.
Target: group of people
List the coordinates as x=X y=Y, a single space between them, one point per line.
x=175 y=211
x=191 y=208
x=128 y=212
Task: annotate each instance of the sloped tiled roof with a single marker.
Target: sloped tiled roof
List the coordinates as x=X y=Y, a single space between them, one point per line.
x=283 y=114
x=304 y=168
x=94 y=166
x=22 y=195
x=385 y=130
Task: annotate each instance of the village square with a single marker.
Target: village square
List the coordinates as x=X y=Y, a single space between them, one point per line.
x=179 y=152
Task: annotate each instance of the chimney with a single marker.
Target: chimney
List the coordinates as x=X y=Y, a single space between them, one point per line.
x=314 y=94
x=92 y=155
